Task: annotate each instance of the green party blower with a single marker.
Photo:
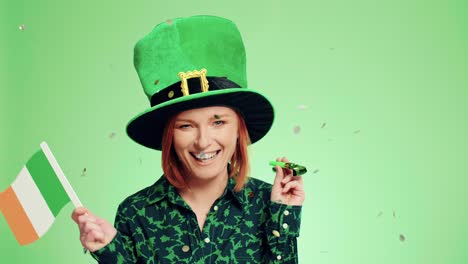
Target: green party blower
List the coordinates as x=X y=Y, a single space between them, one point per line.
x=296 y=168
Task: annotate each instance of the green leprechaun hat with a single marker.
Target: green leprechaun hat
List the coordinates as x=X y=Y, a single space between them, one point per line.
x=194 y=62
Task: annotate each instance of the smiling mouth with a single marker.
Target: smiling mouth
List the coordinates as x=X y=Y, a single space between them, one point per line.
x=205 y=156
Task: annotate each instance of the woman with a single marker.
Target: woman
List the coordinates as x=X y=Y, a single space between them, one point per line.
x=204 y=209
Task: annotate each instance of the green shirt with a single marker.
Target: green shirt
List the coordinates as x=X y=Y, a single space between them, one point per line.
x=155 y=225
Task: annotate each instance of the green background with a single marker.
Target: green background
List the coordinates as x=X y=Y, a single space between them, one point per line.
x=378 y=90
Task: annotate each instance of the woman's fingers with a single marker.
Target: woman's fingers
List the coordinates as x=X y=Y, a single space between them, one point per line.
x=287 y=179
x=95 y=232
x=90 y=238
x=281 y=173
x=287 y=189
x=83 y=220
x=78 y=212
x=292 y=185
x=90 y=226
x=87 y=223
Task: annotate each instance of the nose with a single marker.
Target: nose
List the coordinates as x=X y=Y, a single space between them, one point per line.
x=204 y=138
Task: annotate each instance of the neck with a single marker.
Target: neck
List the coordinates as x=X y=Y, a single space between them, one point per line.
x=200 y=196
x=204 y=191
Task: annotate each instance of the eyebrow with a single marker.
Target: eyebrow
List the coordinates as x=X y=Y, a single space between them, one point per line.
x=183 y=120
x=215 y=116
x=219 y=116
x=222 y=116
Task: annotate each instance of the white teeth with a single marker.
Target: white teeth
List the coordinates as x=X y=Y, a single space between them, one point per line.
x=205 y=156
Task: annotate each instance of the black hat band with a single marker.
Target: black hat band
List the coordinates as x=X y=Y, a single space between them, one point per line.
x=174 y=91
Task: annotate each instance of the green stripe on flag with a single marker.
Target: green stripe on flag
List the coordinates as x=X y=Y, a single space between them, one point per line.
x=46 y=180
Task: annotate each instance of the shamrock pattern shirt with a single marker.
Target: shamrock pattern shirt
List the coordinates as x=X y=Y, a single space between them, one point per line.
x=155 y=225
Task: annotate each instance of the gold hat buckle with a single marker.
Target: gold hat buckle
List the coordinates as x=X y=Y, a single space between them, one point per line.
x=193 y=74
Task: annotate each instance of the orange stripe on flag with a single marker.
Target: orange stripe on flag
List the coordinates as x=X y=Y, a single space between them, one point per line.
x=16 y=218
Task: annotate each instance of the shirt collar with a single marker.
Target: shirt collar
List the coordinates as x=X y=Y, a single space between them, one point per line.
x=158 y=191
x=163 y=189
x=240 y=197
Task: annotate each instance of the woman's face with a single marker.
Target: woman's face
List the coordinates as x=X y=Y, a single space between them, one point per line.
x=205 y=140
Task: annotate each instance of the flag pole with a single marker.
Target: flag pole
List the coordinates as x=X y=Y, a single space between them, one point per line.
x=60 y=175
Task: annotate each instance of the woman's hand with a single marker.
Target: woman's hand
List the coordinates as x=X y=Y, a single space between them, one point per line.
x=95 y=232
x=287 y=189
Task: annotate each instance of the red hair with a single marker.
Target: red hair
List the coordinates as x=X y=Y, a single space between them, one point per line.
x=174 y=169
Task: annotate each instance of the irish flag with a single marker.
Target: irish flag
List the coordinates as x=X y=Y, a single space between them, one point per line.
x=36 y=196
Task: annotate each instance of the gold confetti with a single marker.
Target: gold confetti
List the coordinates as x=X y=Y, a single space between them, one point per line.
x=380 y=214
x=323 y=125
x=315 y=171
x=402 y=238
x=83 y=173
x=156 y=82
x=297 y=129
x=394 y=215
x=22 y=27
x=357 y=131
x=112 y=135
x=217 y=116
x=169 y=22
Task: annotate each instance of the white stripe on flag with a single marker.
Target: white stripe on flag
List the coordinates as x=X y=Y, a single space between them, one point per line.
x=32 y=201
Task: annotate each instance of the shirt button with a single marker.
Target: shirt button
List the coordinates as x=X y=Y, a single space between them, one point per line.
x=286 y=212
x=278 y=257
x=215 y=208
x=276 y=233
x=207 y=240
x=185 y=248
x=285 y=225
